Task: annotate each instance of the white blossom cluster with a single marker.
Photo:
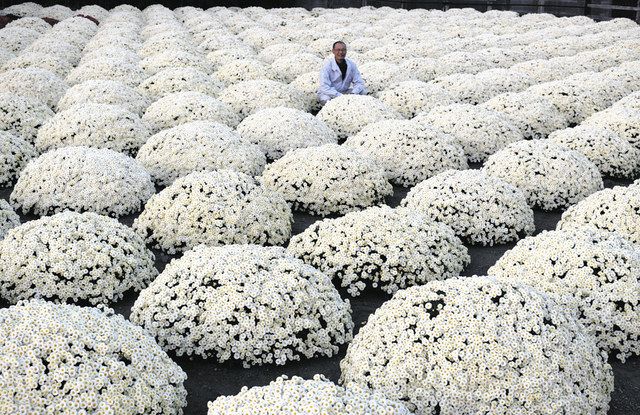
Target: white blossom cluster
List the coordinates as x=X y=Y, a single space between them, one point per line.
x=281 y=129
x=56 y=47
x=409 y=151
x=248 y=97
x=596 y=271
x=198 y=146
x=114 y=69
x=174 y=59
x=82 y=179
x=623 y=120
x=51 y=63
x=15 y=152
x=33 y=23
x=249 y=69
x=8 y=218
x=182 y=79
x=104 y=91
x=307 y=83
x=378 y=75
x=22 y=116
x=288 y=67
x=16 y=39
x=94 y=125
x=381 y=247
x=68 y=359
x=297 y=396
x=246 y=303
x=348 y=114
x=327 y=179
x=480 y=131
x=479 y=345
x=550 y=175
x=410 y=98
x=34 y=83
x=479 y=208
x=214 y=208
x=73 y=256
x=614 y=210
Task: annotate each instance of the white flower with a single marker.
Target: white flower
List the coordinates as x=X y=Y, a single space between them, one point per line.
x=412 y=97
x=623 y=120
x=15 y=152
x=16 y=39
x=35 y=83
x=112 y=53
x=380 y=75
x=25 y=9
x=57 y=66
x=248 y=69
x=22 y=116
x=248 y=97
x=55 y=47
x=57 y=12
x=101 y=91
x=291 y=65
x=107 y=68
x=8 y=218
x=172 y=58
x=183 y=79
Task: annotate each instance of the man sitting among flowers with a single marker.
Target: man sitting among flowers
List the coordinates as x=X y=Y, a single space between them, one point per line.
x=339 y=75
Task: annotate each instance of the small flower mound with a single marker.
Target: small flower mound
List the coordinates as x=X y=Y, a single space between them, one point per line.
x=183 y=107
x=613 y=210
x=35 y=83
x=348 y=114
x=279 y=130
x=57 y=66
x=15 y=152
x=95 y=125
x=83 y=360
x=327 y=179
x=240 y=70
x=410 y=98
x=479 y=345
x=198 y=146
x=382 y=247
x=595 y=270
x=551 y=176
x=622 y=120
x=249 y=97
x=297 y=396
x=481 y=209
x=253 y=304
x=86 y=257
x=289 y=66
x=107 y=68
x=613 y=155
x=379 y=75
x=171 y=80
x=174 y=59
x=408 y=150
x=8 y=218
x=102 y=91
x=480 y=131
x=82 y=179
x=214 y=208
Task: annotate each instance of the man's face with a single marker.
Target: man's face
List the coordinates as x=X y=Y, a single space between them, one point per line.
x=340 y=51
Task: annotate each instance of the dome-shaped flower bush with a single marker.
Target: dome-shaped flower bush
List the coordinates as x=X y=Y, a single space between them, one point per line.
x=463 y=87
x=291 y=65
x=171 y=80
x=479 y=345
x=536 y=116
x=297 y=396
x=631 y=101
x=279 y=130
x=249 y=69
x=73 y=256
x=380 y=75
x=102 y=91
x=381 y=247
x=246 y=303
x=348 y=114
x=327 y=179
x=174 y=59
x=412 y=97
x=550 y=175
x=622 y=120
x=198 y=146
x=22 y=116
x=51 y=63
x=307 y=83
x=15 y=152
x=481 y=209
x=82 y=179
x=83 y=360
x=214 y=208
x=613 y=210
x=599 y=272
x=16 y=39
x=480 y=131
x=34 y=83
x=94 y=125
x=613 y=155
x=183 y=107
x=33 y=23
x=248 y=97
x=55 y=47
x=107 y=68
x=409 y=151
x=8 y=218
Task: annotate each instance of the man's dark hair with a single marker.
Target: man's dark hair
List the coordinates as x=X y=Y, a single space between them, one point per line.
x=338 y=42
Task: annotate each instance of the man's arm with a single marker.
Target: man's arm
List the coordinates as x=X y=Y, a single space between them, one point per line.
x=326 y=88
x=358 y=83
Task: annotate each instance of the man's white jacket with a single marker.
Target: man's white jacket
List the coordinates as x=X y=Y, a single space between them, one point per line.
x=331 y=83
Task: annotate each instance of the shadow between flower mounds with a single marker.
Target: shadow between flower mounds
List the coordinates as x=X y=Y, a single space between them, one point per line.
x=207 y=379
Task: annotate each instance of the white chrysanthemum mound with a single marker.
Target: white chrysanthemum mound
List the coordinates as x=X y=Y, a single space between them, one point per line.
x=279 y=130
x=95 y=125
x=480 y=131
x=17 y=39
x=56 y=65
x=599 y=272
x=479 y=345
x=198 y=146
x=297 y=396
x=614 y=210
x=379 y=75
x=22 y=116
x=534 y=115
x=412 y=97
x=248 y=69
x=348 y=114
x=82 y=179
x=613 y=155
x=631 y=101
x=86 y=256
x=550 y=175
x=214 y=208
x=622 y=120
x=248 y=303
x=171 y=80
x=289 y=66
x=8 y=218
x=248 y=97
x=15 y=152
x=102 y=91
x=35 y=83
x=381 y=247
x=408 y=151
x=481 y=209
x=83 y=360
x=33 y=23
x=174 y=59
x=327 y=179
x=107 y=68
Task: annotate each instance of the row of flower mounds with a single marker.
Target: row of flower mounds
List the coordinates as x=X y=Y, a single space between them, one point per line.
x=207 y=379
